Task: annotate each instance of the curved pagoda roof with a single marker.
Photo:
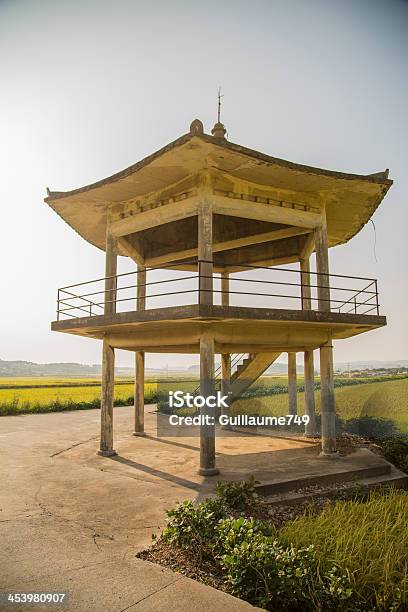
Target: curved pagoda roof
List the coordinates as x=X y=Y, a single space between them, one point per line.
x=351 y=199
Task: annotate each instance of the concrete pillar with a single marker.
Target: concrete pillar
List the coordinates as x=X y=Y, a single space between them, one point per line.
x=292 y=383
x=207 y=429
x=108 y=352
x=310 y=428
x=108 y=381
x=322 y=265
x=305 y=283
x=205 y=255
x=140 y=359
x=225 y=357
x=328 y=414
x=111 y=257
x=225 y=284
x=139 y=393
x=225 y=383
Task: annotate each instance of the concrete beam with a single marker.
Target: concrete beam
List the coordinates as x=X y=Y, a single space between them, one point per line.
x=248 y=209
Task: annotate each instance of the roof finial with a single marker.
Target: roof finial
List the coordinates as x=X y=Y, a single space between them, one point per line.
x=219 y=130
x=219 y=104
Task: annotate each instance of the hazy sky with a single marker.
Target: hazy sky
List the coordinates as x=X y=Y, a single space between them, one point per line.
x=89 y=87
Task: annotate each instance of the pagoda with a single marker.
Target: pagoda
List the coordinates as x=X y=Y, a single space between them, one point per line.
x=218 y=214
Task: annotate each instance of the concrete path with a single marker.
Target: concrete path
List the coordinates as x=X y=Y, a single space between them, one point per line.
x=73 y=521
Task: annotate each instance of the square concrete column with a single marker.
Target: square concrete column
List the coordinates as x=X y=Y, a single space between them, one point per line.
x=207 y=429
x=108 y=382
x=205 y=237
x=108 y=352
x=140 y=358
x=328 y=414
x=310 y=409
x=292 y=383
x=328 y=411
x=322 y=265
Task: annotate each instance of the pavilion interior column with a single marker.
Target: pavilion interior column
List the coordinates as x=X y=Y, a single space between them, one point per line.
x=328 y=414
x=310 y=409
x=108 y=352
x=207 y=430
x=225 y=357
x=292 y=383
x=322 y=265
x=305 y=283
x=140 y=358
x=205 y=254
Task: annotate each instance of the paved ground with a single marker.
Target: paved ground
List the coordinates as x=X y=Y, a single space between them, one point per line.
x=73 y=521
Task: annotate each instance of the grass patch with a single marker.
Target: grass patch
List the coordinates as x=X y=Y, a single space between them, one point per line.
x=368 y=540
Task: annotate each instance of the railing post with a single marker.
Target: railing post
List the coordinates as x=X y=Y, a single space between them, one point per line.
x=58 y=305
x=376 y=297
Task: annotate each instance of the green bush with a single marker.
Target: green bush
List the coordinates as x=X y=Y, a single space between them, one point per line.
x=371 y=427
x=266 y=573
x=396 y=451
x=192 y=526
x=238 y=495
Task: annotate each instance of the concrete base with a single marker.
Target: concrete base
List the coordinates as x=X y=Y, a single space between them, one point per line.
x=139 y=433
x=208 y=471
x=107 y=453
x=335 y=455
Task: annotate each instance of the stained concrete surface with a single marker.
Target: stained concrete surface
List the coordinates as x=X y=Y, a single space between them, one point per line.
x=71 y=520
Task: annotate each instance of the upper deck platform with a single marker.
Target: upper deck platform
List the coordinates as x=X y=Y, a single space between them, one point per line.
x=260 y=309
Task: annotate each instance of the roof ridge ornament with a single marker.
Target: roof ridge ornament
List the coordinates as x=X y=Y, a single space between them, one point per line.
x=219 y=130
x=196 y=128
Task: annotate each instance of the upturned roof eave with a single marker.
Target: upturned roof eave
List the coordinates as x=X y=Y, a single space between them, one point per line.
x=377 y=178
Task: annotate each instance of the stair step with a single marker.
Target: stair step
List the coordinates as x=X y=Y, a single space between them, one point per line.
x=271 y=488
x=395 y=478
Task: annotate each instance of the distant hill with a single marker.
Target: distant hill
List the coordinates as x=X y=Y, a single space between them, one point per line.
x=29 y=368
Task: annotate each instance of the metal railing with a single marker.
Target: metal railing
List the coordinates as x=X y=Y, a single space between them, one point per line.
x=253 y=286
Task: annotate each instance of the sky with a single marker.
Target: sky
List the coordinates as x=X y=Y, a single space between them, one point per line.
x=89 y=87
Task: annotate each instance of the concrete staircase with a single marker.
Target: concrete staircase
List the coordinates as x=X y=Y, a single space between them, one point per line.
x=362 y=469
x=247 y=372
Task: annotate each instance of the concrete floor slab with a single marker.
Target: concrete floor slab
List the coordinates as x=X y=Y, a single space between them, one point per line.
x=73 y=520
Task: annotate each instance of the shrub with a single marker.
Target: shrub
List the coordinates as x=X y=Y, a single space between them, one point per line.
x=371 y=427
x=396 y=451
x=238 y=495
x=266 y=573
x=192 y=526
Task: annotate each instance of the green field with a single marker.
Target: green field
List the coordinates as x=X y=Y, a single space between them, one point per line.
x=386 y=398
